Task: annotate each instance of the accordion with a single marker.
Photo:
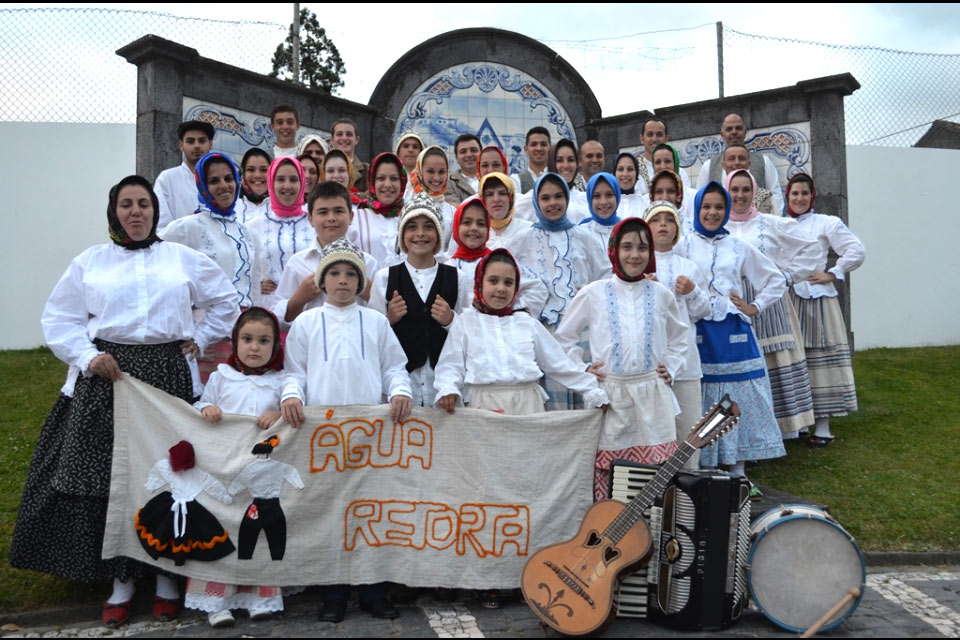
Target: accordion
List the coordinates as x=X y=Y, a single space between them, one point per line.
x=700 y=530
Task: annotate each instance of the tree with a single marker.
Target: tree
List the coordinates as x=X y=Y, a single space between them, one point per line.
x=321 y=67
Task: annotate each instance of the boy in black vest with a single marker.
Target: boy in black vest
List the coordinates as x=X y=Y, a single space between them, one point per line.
x=420 y=296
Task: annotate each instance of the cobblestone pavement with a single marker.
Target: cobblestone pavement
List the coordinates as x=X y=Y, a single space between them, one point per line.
x=899 y=602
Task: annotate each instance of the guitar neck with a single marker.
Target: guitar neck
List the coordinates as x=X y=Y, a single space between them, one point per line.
x=642 y=501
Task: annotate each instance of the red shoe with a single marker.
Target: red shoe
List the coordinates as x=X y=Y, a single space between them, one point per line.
x=114 y=615
x=165 y=610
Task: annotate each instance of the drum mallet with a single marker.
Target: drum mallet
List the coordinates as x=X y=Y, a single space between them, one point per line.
x=852 y=595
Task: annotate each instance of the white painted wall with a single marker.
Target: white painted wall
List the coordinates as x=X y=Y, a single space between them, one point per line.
x=55 y=178
x=903 y=206
x=906 y=294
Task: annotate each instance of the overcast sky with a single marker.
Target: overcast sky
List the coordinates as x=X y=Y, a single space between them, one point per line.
x=660 y=69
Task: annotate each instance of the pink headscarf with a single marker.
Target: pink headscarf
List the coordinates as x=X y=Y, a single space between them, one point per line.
x=296 y=209
x=752 y=212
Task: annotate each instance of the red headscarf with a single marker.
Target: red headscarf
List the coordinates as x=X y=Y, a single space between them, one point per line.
x=624 y=227
x=478 y=301
x=276 y=359
x=464 y=252
x=503 y=158
x=387 y=210
x=813 y=195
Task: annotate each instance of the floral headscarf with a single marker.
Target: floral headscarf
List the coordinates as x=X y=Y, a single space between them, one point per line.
x=387 y=210
x=673 y=175
x=479 y=303
x=417 y=180
x=206 y=199
x=275 y=363
x=118 y=234
x=613 y=248
x=463 y=252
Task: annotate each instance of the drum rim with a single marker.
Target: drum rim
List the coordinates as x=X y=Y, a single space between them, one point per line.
x=774 y=525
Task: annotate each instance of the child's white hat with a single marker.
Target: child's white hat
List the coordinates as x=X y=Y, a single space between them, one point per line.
x=662 y=206
x=421 y=205
x=341 y=250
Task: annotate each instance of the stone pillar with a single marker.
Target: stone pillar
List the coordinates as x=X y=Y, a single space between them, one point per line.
x=160 y=69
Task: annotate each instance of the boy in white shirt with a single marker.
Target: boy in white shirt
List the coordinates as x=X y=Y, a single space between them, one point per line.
x=176 y=187
x=340 y=354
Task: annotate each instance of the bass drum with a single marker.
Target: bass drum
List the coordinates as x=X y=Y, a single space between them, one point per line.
x=801 y=564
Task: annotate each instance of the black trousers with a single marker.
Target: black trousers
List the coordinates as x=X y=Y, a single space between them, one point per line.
x=267 y=515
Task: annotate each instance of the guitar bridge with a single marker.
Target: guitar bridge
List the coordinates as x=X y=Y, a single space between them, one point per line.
x=570 y=582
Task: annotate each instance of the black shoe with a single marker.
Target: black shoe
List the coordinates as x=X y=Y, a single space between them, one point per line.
x=382 y=609
x=332 y=611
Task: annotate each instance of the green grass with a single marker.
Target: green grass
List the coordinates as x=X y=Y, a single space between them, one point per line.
x=892 y=477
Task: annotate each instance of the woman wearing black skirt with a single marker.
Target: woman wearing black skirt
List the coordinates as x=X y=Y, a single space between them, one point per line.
x=124 y=307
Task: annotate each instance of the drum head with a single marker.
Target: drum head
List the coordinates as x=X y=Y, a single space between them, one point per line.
x=802 y=566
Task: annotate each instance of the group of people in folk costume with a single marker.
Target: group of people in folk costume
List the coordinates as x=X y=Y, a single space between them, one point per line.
x=308 y=277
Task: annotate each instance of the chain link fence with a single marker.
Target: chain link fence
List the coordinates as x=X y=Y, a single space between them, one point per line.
x=905 y=98
x=60 y=65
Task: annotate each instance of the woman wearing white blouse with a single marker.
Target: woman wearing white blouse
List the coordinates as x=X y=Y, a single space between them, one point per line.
x=777 y=329
x=121 y=307
x=821 y=321
x=729 y=356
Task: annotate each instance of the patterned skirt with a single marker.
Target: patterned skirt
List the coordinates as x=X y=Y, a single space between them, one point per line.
x=778 y=333
x=217 y=596
x=63 y=511
x=731 y=363
x=828 y=356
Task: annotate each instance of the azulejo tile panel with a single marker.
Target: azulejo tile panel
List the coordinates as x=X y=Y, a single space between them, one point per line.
x=787 y=145
x=236 y=130
x=496 y=102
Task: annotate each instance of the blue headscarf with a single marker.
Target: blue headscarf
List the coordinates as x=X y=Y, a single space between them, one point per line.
x=542 y=221
x=205 y=198
x=698 y=201
x=612 y=181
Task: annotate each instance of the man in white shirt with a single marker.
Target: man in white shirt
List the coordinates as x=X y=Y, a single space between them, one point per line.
x=464 y=182
x=591 y=159
x=285 y=121
x=176 y=188
x=346 y=137
x=653 y=133
x=537 y=148
x=734 y=131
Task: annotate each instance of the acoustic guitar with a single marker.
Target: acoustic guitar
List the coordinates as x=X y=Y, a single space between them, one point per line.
x=571 y=586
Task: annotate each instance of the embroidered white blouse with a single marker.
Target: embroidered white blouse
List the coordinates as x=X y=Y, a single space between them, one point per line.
x=782 y=240
x=633 y=327
x=302 y=264
x=487 y=349
x=282 y=238
x=136 y=297
x=829 y=232
x=693 y=306
x=565 y=261
x=238 y=393
x=724 y=261
x=235 y=247
x=247 y=211
x=343 y=355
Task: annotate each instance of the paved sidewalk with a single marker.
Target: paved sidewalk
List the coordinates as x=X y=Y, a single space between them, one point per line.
x=902 y=602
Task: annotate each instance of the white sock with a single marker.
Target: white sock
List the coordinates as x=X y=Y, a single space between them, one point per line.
x=737 y=469
x=167 y=588
x=822 y=426
x=122 y=591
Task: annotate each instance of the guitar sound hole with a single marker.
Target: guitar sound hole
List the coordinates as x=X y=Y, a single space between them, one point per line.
x=610 y=554
x=593 y=539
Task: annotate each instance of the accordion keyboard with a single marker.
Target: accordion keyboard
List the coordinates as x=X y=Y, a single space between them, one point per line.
x=635 y=587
